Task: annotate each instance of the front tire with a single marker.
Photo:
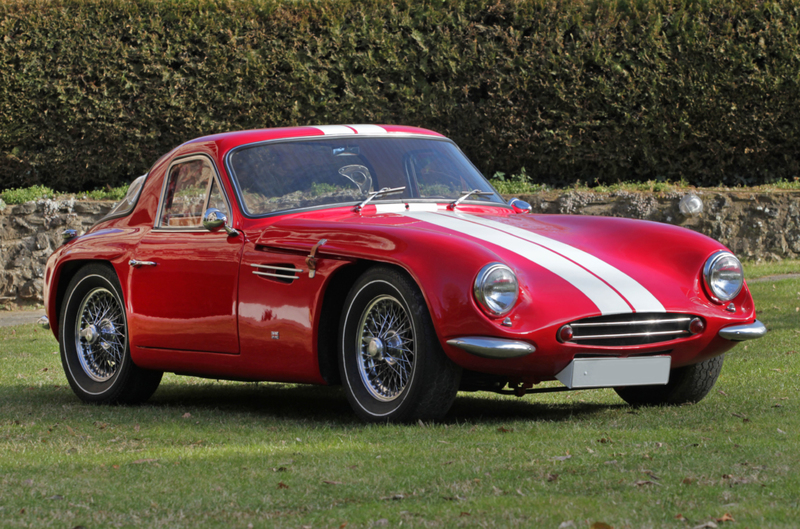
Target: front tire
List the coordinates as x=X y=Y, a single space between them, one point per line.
x=688 y=384
x=392 y=365
x=93 y=335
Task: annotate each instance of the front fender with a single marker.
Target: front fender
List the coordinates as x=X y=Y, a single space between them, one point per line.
x=112 y=245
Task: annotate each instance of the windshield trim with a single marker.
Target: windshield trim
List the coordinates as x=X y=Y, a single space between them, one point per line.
x=246 y=214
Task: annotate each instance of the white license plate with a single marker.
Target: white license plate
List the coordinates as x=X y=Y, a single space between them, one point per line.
x=615 y=372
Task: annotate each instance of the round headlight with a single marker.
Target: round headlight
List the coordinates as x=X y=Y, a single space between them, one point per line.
x=496 y=289
x=723 y=276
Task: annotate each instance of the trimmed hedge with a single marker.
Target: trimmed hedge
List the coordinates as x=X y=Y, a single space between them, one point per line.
x=93 y=92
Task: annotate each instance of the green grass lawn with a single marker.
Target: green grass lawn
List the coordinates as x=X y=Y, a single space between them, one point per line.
x=219 y=454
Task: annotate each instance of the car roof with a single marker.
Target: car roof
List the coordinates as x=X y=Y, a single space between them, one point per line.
x=228 y=140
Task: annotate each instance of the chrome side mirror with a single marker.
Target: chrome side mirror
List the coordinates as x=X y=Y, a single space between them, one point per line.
x=214 y=219
x=68 y=235
x=520 y=206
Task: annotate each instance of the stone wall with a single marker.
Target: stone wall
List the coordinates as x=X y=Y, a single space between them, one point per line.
x=755 y=226
x=28 y=235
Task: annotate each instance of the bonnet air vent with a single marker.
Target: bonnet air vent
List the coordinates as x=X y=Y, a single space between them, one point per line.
x=280 y=272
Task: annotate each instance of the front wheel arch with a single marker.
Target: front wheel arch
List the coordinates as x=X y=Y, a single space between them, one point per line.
x=339 y=284
x=402 y=374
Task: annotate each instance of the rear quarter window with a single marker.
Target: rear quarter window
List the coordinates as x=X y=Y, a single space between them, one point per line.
x=125 y=206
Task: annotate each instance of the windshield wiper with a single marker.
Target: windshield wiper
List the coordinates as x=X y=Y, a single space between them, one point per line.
x=381 y=193
x=468 y=194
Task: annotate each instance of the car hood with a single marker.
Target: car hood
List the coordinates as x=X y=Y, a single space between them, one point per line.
x=616 y=265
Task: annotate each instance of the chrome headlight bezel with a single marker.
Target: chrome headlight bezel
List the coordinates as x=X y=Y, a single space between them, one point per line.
x=711 y=271
x=494 y=275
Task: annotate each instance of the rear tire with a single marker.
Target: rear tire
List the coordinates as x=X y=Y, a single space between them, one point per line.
x=688 y=384
x=93 y=335
x=392 y=365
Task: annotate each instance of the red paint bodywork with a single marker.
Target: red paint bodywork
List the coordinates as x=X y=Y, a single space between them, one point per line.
x=201 y=311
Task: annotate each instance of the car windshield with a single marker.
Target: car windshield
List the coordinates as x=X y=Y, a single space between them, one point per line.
x=284 y=175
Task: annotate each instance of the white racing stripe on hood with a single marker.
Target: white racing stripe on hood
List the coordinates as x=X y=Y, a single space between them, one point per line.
x=403 y=208
x=639 y=297
x=606 y=299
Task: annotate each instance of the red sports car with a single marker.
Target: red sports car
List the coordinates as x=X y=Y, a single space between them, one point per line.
x=379 y=258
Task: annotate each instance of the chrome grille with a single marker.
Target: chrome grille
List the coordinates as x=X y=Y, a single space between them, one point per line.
x=629 y=329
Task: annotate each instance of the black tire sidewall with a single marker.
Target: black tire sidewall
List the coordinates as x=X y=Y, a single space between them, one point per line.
x=85 y=281
x=372 y=285
x=688 y=384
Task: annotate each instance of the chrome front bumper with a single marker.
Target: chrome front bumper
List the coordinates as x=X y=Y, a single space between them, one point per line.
x=492 y=347
x=44 y=322
x=739 y=333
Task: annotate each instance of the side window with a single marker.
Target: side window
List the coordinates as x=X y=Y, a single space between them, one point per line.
x=187 y=189
x=216 y=200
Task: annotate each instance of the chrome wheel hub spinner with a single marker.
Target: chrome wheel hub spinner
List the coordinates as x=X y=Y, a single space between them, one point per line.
x=100 y=337
x=387 y=348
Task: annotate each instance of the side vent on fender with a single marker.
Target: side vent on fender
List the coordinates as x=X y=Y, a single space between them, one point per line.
x=280 y=272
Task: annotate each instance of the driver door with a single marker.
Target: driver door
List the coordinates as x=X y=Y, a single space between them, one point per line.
x=184 y=279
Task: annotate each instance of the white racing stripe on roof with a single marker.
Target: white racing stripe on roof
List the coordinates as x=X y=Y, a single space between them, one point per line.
x=368 y=129
x=337 y=130
x=639 y=297
x=603 y=296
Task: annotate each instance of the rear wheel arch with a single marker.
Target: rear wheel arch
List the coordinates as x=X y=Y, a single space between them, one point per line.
x=93 y=339
x=64 y=276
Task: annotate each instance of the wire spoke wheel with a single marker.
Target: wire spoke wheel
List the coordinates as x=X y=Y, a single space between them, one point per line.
x=387 y=348
x=94 y=341
x=100 y=334
x=391 y=362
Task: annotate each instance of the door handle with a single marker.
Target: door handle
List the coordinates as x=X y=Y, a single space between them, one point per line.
x=136 y=264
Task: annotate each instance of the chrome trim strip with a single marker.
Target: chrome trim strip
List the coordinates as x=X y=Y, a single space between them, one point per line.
x=267 y=274
x=642 y=322
x=627 y=335
x=181 y=229
x=740 y=333
x=283 y=268
x=486 y=347
x=134 y=263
